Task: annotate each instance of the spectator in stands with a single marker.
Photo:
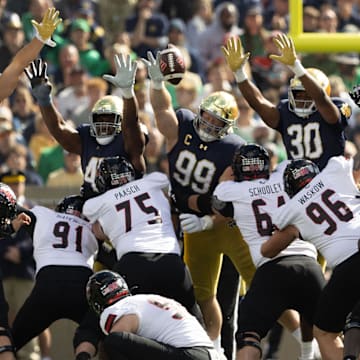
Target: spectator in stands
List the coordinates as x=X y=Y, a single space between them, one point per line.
x=348 y=69
x=41 y=138
x=328 y=19
x=147 y=29
x=68 y=59
x=113 y=15
x=96 y=89
x=13 y=40
x=68 y=176
x=176 y=36
x=17 y=161
x=51 y=159
x=311 y=16
x=347 y=14
x=24 y=110
x=80 y=32
x=223 y=27
x=75 y=94
x=8 y=135
x=201 y=19
x=277 y=16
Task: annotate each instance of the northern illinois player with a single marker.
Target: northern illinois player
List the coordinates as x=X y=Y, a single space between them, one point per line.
x=114 y=128
x=310 y=122
x=199 y=149
x=278 y=285
x=64 y=246
x=325 y=209
x=135 y=216
x=145 y=325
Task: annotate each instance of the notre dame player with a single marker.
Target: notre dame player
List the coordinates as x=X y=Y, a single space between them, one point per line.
x=310 y=122
x=199 y=149
x=114 y=128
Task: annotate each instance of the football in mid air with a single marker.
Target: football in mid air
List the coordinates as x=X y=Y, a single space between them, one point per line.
x=172 y=65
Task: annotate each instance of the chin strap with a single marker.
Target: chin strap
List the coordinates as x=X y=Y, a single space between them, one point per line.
x=6 y=348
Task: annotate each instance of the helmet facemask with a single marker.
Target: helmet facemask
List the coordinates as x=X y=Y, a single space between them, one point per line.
x=220 y=105
x=303 y=106
x=105 y=119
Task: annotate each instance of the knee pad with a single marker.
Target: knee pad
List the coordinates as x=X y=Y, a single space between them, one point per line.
x=248 y=339
x=5 y=348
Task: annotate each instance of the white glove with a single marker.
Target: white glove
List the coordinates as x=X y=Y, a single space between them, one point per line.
x=191 y=223
x=125 y=75
x=153 y=66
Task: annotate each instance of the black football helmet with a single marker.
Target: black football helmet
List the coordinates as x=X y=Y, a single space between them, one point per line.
x=297 y=174
x=113 y=172
x=105 y=288
x=71 y=205
x=8 y=206
x=251 y=162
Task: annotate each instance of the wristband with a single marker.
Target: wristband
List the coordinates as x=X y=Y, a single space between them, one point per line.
x=127 y=93
x=203 y=203
x=207 y=222
x=83 y=356
x=240 y=75
x=298 y=68
x=157 y=85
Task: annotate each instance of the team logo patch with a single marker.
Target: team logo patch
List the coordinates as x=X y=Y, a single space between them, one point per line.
x=345 y=110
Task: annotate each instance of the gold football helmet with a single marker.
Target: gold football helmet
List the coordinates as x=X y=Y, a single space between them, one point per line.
x=105 y=118
x=223 y=107
x=303 y=107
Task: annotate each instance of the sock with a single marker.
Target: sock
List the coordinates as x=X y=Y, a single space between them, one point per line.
x=307 y=350
x=297 y=335
x=217 y=344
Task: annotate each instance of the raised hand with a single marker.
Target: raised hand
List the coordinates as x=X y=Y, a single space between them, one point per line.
x=46 y=28
x=125 y=72
x=286 y=46
x=153 y=66
x=234 y=54
x=355 y=94
x=41 y=87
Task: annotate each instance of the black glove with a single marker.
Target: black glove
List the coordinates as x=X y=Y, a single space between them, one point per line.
x=41 y=87
x=83 y=356
x=355 y=94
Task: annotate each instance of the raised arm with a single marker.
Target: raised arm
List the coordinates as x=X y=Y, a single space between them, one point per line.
x=10 y=77
x=236 y=59
x=323 y=102
x=160 y=98
x=134 y=137
x=63 y=132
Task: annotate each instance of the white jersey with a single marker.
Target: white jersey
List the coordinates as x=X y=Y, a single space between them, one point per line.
x=160 y=319
x=327 y=212
x=62 y=239
x=254 y=205
x=136 y=216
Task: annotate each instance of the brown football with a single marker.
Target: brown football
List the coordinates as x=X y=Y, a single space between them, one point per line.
x=172 y=65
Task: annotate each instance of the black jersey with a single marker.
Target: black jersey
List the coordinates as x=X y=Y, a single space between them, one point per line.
x=313 y=138
x=194 y=165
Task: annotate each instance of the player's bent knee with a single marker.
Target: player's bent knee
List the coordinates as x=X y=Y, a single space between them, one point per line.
x=7 y=345
x=247 y=338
